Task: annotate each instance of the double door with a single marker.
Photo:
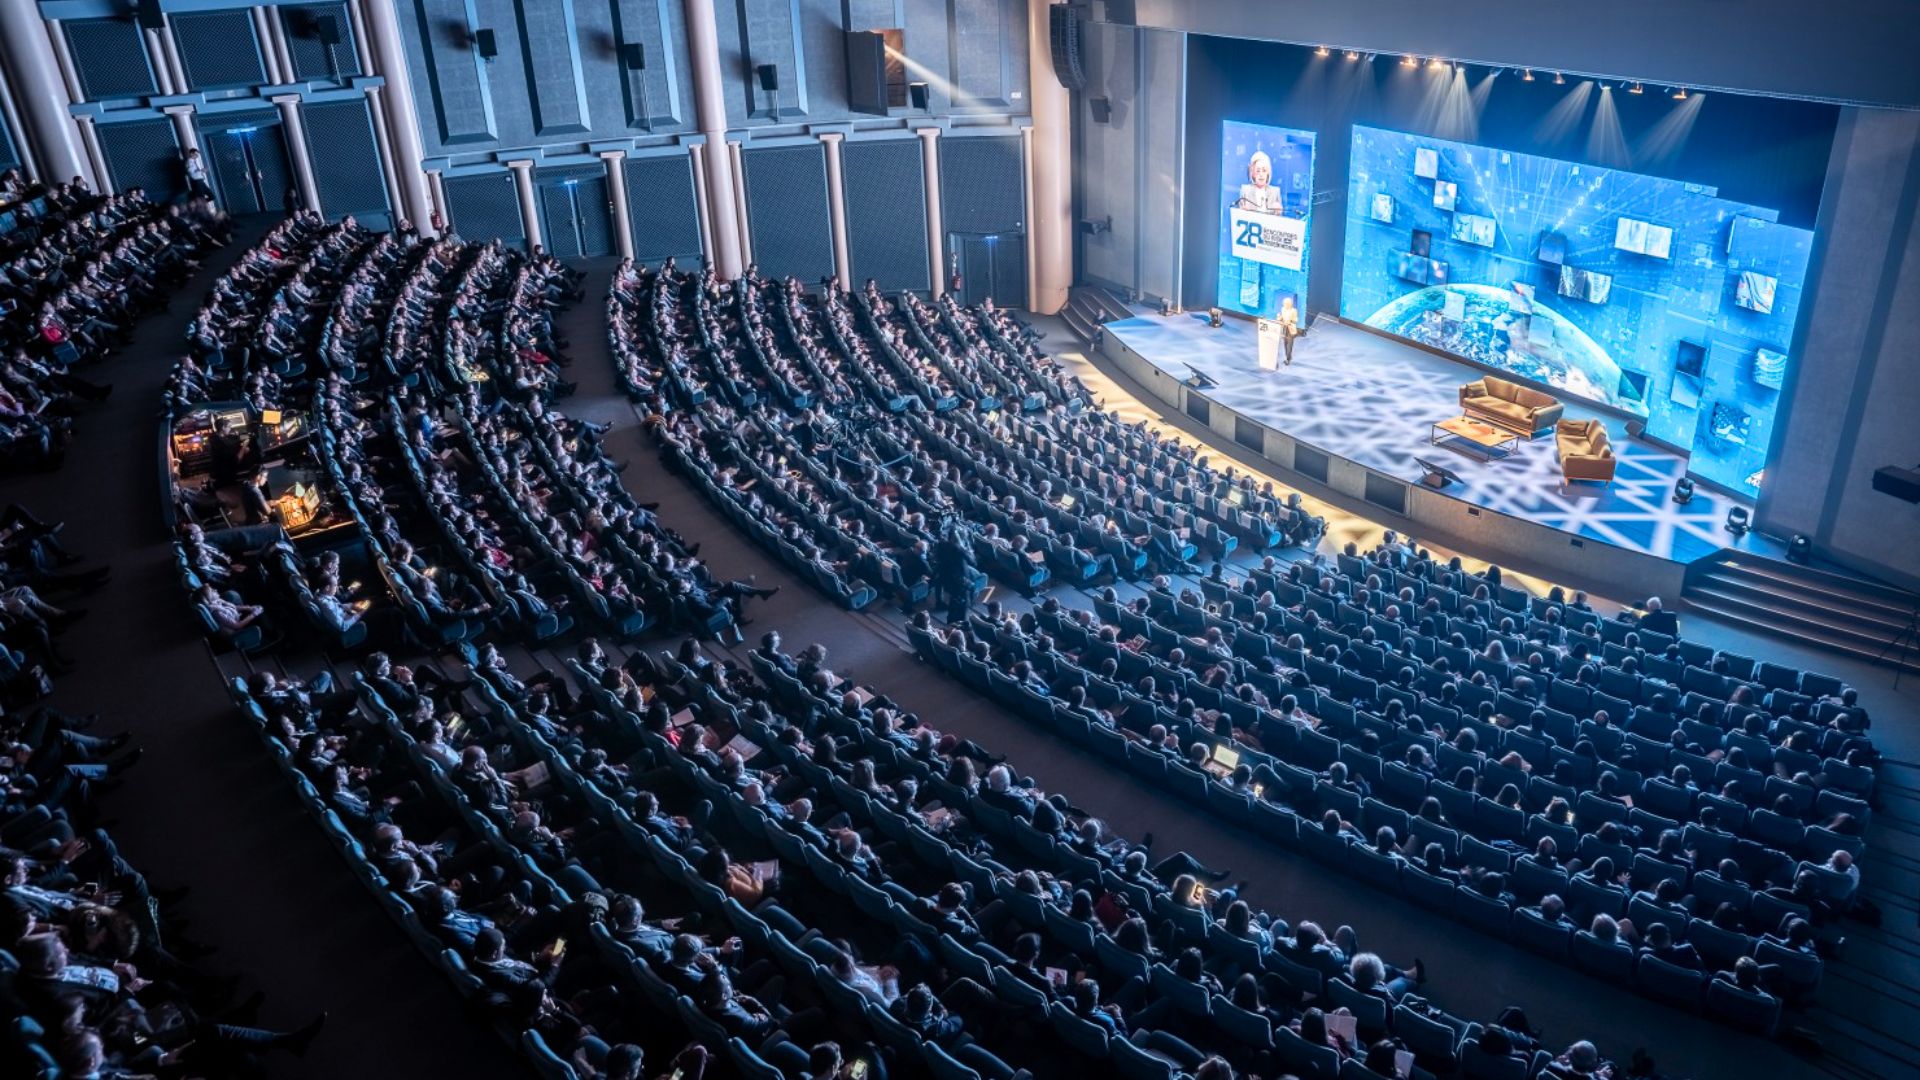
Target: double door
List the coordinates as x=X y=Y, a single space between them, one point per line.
x=249 y=167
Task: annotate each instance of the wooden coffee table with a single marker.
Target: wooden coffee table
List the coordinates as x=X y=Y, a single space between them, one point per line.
x=1462 y=432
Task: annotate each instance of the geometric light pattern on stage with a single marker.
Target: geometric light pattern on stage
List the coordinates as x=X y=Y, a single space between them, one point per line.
x=1266 y=197
x=1371 y=400
x=1646 y=294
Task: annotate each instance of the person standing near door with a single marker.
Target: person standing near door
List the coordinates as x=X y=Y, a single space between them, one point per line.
x=197 y=187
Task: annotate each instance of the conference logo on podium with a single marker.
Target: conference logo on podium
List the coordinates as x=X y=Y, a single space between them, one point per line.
x=1268 y=238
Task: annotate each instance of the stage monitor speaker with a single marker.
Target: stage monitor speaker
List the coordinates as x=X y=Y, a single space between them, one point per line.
x=1063 y=25
x=149 y=15
x=485 y=44
x=633 y=56
x=920 y=96
x=769 y=76
x=1897 y=482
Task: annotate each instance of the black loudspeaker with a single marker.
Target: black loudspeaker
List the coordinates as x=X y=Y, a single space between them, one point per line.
x=919 y=96
x=327 y=29
x=1063 y=26
x=633 y=56
x=1101 y=109
x=485 y=45
x=769 y=77
x=149 y=15
x=1897 y=482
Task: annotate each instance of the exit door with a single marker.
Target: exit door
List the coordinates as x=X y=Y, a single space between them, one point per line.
x=988 y=265
x=249 y=168
x=576 y=216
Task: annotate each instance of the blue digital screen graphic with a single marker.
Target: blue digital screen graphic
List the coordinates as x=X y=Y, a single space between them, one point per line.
x=1266 y=196
x=1650 y=295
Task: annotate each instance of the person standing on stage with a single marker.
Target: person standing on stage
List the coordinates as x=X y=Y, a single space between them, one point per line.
x=1289 y=327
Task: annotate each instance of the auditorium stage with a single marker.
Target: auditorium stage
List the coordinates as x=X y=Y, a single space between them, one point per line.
x=1368 y=402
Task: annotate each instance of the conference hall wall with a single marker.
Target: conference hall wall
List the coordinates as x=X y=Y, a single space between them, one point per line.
x=1767 y=155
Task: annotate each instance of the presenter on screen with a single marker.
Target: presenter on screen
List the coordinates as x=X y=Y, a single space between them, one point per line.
x=1259 y=193
x=1289 y=327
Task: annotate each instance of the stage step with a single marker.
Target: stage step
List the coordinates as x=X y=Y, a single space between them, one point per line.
x=1850 y=615
x=1089 y=306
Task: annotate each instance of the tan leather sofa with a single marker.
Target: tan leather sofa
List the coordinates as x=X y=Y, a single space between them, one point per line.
x=1511 y=406
x=1583 y=450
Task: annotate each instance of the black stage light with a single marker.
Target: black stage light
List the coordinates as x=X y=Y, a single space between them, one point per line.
x=918 y=96
x=769 y=77
x=485 y=44
x=1214 y=318
x=1738 y=521
x=1683 y=490
x=1800 y=549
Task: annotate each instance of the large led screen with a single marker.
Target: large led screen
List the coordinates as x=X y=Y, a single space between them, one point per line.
x=1266 y=192
x=1650 y=295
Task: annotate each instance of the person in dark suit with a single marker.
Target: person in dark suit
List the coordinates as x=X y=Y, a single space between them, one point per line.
x=1658 y=619
x=1660 y=945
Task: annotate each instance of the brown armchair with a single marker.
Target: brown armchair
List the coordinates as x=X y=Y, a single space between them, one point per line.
x=1511 y=406
x=1583 y=450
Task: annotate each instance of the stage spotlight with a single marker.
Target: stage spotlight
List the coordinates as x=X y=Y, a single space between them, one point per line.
x=1680 y=94
x=1214 y=318
x=1683 y=490
x=1526 y=74
x=1738 y=521
x=1351 y=55
x=1559 y=79
x=1800 y=549
x=1323 y=51
x=1408 y=61
x=1636 y=88
x=1436 y=64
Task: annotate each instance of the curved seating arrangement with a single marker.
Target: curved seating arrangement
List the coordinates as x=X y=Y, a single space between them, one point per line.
x=1328 y=704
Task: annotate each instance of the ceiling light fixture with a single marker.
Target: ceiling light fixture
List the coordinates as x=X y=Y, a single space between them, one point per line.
x=1636 y=88
x=1680 y=94
x=1559 y=79
x=1526 y=74
x=1408 y=61
x=1351 y=55
x=1322 y=51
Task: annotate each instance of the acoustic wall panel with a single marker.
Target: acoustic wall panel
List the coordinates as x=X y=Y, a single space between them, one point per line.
x=218 y=49
x=980 y=54
x=307 y=28
x=550 y=48
x=346 y=161
x=651 y=94
x=787 y=211
x=144 y=154
x=887 y=213
x=665 y=213
x=485 y=206
x=110 y=57
x=456 y=74
x=983 y=184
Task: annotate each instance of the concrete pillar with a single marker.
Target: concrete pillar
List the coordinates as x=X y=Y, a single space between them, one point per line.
x=725 y=246
x=383 y=144
x=437 y=189
x=1026 y=187
x=741 y=222
x=403 y=125
x=702 y=202
x=42 y=93
x=170 y=46
x=296 y=132
x=157 y=59
x=183 y=130
x=358 y=23
x=90 y=139
x=263 y=34
x=1050 y=159
x=936 y=233
x=622 y=213
x=57 y=40
x=837 y=208
x=529 y=205
x=277 y=32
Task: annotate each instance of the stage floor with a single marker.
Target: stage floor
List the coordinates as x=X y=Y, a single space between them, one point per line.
x=1373 y=400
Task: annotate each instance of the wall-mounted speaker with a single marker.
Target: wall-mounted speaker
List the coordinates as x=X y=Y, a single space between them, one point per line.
x=148 y=14
x=485 y=45
x=633 y=56
x=1101 y=109
x=1063 y=25
x=769 y=76
x=1897 y=482
x=919 y=96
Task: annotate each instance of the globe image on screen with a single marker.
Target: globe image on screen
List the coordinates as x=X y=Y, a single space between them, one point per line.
x=1542 y=346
